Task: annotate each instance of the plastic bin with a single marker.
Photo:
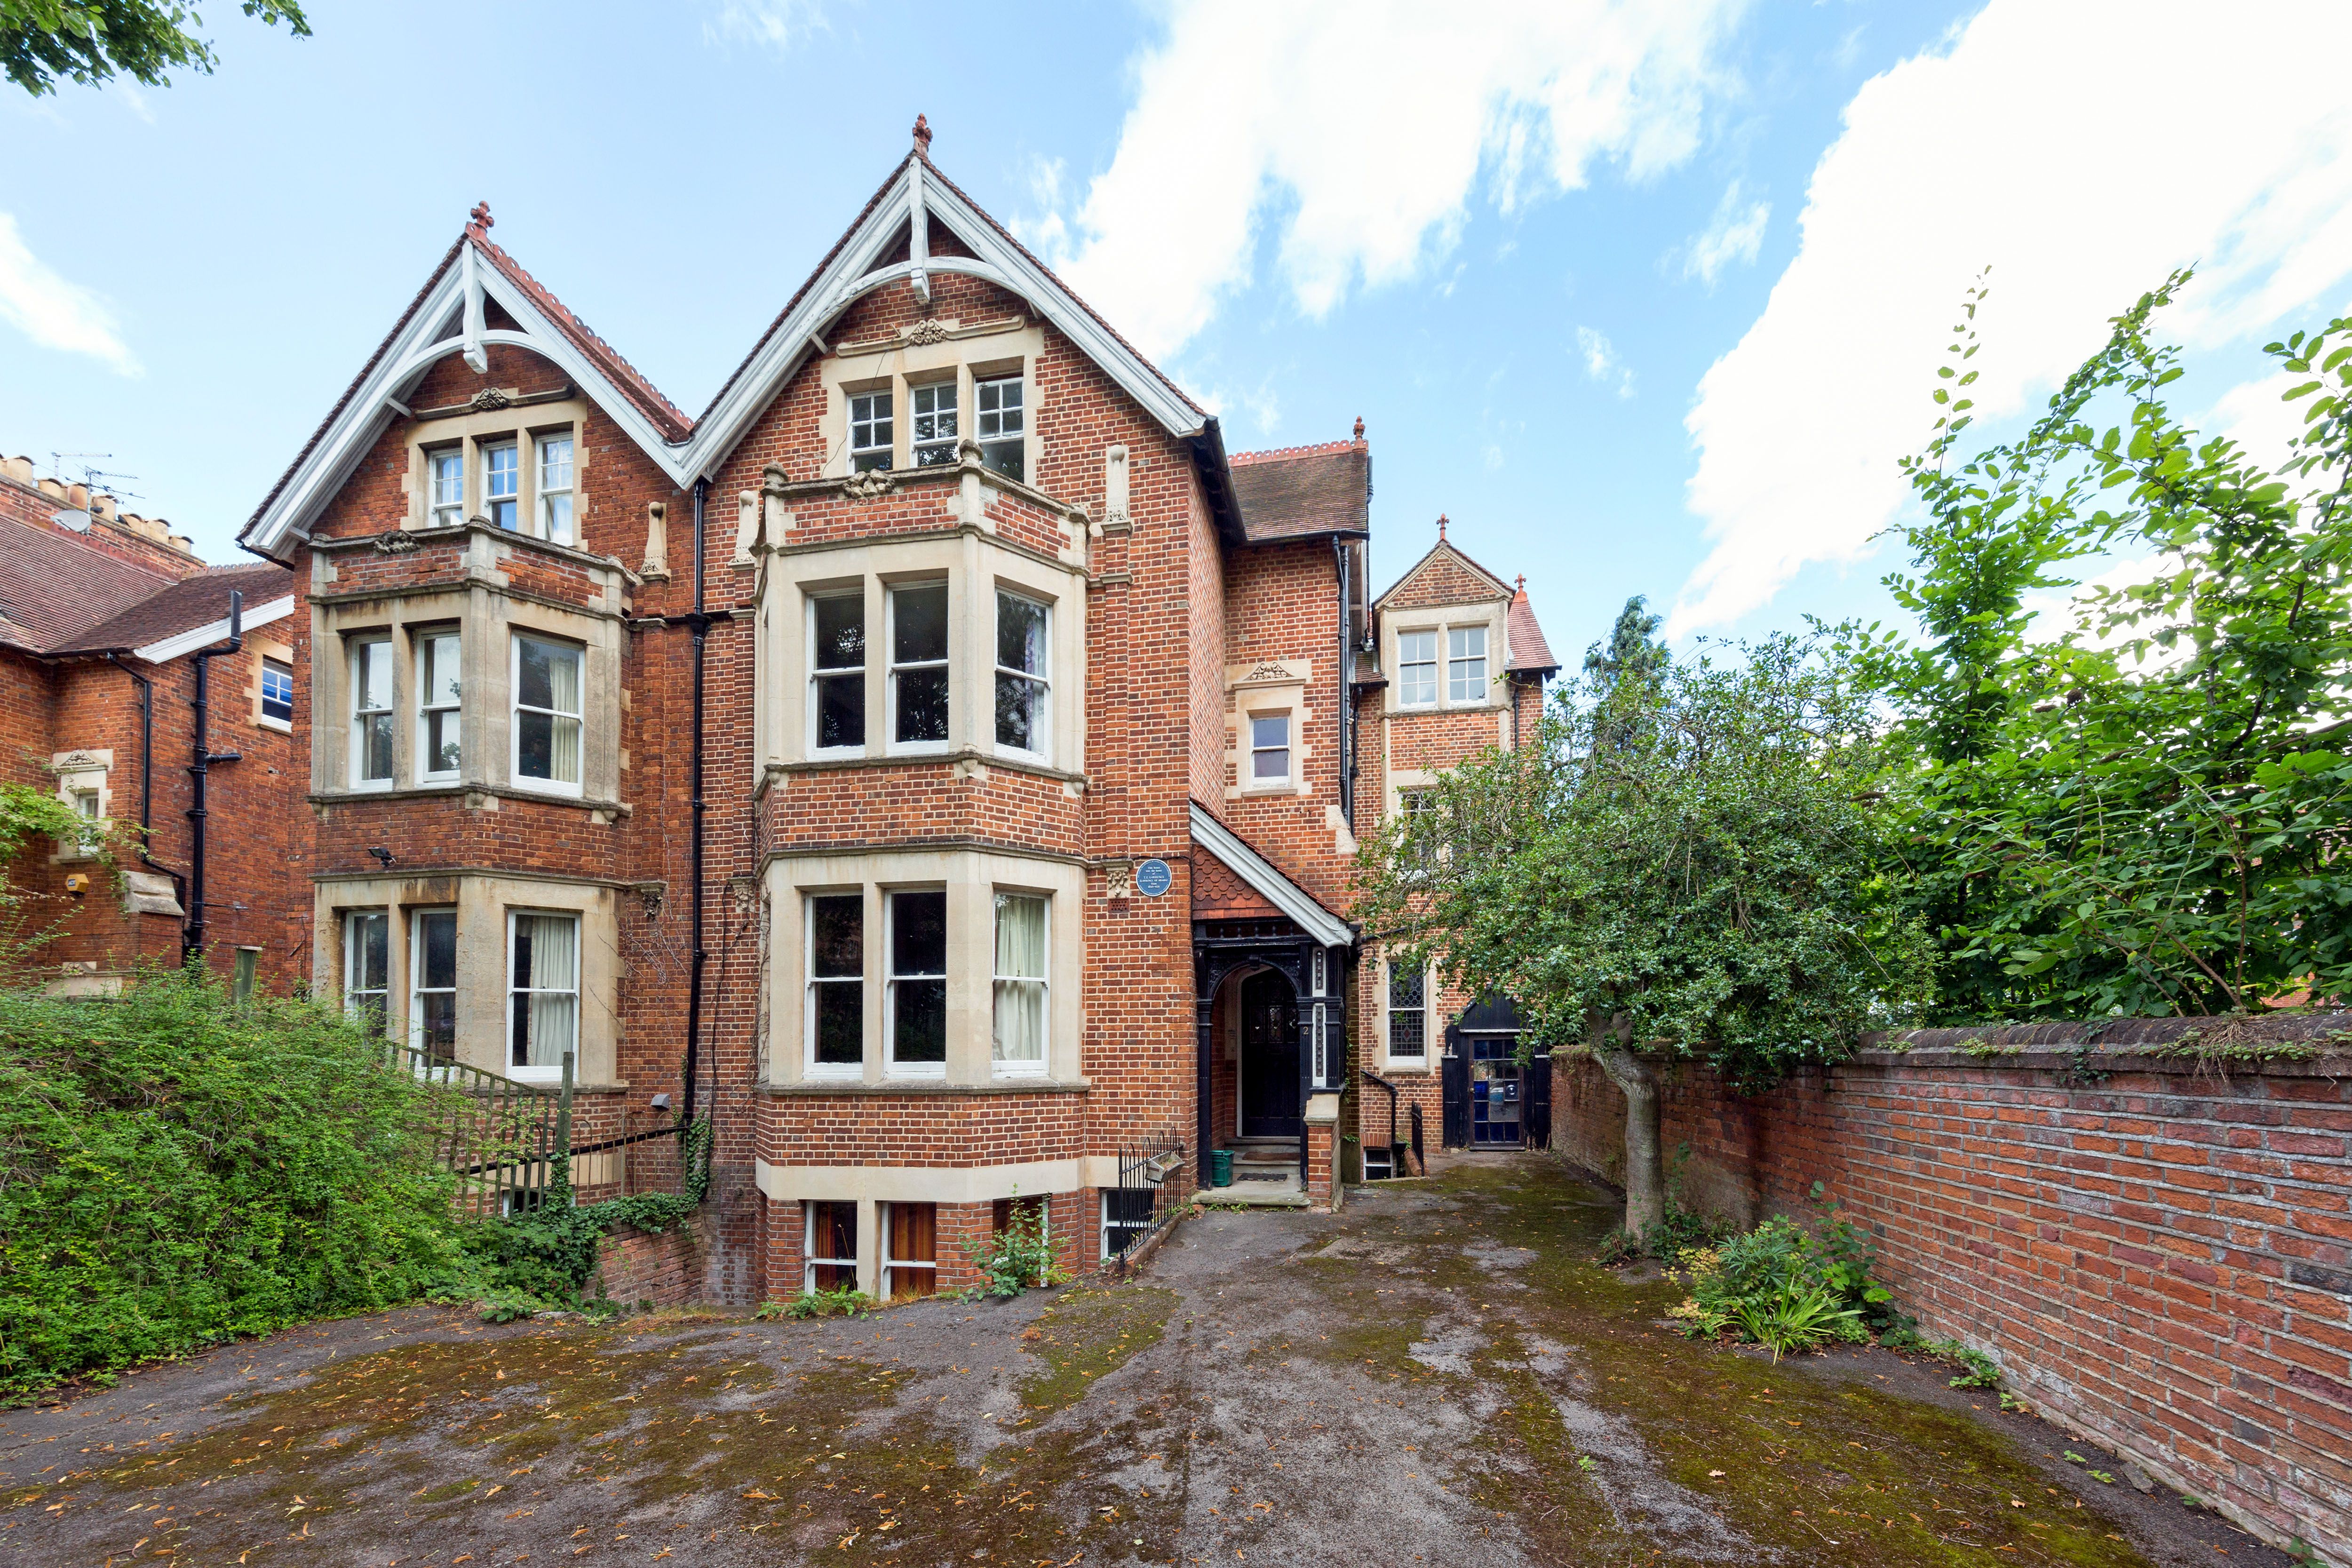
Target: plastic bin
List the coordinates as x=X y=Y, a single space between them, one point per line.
x=1220 y=1167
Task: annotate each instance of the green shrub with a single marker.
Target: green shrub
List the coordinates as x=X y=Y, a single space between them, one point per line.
x=175 y=1171
x=848 y=1301
x=1784 y=1285
x=1018 y=1257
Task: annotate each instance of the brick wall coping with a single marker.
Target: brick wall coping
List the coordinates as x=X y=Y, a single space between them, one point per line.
x=2143 y=1045
x=918 y=1087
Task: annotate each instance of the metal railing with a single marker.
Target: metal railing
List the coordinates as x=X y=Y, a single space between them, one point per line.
x=1418 y=1163
x=1153 y=1189
x=500 y=1136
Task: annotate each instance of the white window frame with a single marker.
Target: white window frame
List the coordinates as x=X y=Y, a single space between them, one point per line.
x=946 y=661
x=444 y=507
x=1044 y=983
x=354 y=922
x=262 y=715
x=1464 y=667
x=552 y=1073
x=810 y=1261
x=1103 y=1209
x=491 y=449
x=427 y=707
x=861 y=457
x=883 y=1215
x=985 y=417
x=85 y=801
x=891 y=1066
x=937 y=451
x=1388 y=1017
x=818 y=676
x=516 y=708
x=1256 y=780
x=418 y=990
x=356 y=654
x=549 y=492
x=1042 y=680
x=809 y=1067
x=1406 y=664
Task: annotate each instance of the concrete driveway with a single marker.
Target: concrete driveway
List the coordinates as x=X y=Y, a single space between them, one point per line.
x=1436 y=1375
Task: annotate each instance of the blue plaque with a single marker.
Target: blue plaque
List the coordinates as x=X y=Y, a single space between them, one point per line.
x=1152 y=878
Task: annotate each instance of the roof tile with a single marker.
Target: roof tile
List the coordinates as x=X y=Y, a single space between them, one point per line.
x=1299 y=492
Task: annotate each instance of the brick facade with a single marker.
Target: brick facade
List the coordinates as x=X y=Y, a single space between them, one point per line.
x=2158 y=1257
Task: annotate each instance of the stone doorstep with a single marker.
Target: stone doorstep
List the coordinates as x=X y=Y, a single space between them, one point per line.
x=1285 y=1194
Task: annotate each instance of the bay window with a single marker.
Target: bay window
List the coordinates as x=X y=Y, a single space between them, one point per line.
x=444 y=480
x=1465 y=664
x=370 y=660
x=1416 y=669
x=547 y=714
x=502 y=484
x=934 y=411
x=1018 y=1039
x=836 y=985
x=433 y=983
x=1021 y=687
x=555 y=488
x=1001 y=427
x=872 y=431
x=367 y=966
x=917 y=1021
x=542 y=990
x=437 y=723
x=837 y=666
x=919 y=664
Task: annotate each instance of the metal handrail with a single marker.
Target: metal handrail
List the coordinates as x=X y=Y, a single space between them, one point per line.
x=500 y=1136
x=1372 y=1077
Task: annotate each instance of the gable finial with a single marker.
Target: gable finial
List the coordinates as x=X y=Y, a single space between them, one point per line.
x=479 y=220
x=1359 y=429
x=1523 y=585
x=1441 y=528
x=923 y=135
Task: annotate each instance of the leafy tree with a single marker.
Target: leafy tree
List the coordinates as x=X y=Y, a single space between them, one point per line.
x=1632 y=649
x=2145 y=812
x=1681 y=869
x=91 y=41
x=30 y=817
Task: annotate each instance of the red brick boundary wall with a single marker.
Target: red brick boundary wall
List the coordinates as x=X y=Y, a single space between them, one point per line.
x=2156 y=1248
x=666 y=1268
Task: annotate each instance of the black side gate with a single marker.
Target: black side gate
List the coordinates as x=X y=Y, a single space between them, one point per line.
x=1453 y=1083
x=1535 y=1116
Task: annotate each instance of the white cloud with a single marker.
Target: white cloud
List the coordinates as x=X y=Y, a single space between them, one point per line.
x=1601 y=360
x=1735 y=233
x=1354 y=138
x=2252 y=414
x=53 y=312
x=779 y=23
x=2083 y=160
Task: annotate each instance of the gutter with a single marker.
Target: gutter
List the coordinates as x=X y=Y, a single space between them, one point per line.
x=698 y=624
x=147 y=780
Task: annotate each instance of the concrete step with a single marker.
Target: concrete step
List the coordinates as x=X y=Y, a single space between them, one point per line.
x=1283 y=1193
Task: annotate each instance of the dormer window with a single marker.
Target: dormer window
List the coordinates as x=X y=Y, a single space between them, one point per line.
x=1002 y=428
x=502 y=484
x=555 y=488
x=445 y=475
x=935 y=423
x=872 y=431
x=1465 y=664
x=1416 y=669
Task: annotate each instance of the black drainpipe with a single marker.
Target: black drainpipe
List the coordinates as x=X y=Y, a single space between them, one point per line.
x=147 y=779
x=192 y=938
x=699 y=624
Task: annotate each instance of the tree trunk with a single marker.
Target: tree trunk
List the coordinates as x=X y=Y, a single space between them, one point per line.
x=1645 y=1177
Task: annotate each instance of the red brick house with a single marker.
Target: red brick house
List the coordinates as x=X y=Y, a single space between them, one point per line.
x=938 y=764
x=111 y=633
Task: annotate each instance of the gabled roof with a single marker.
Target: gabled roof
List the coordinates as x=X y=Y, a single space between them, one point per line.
x=1443 y=577
x=1303 y=492
x=1270 y=884
x=54 y=588
x=153 y=627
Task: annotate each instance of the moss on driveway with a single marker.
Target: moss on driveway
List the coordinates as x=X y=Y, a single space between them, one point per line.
x=1438 y=1375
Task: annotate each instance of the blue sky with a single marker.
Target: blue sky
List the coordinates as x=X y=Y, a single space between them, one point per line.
x=1647 y=298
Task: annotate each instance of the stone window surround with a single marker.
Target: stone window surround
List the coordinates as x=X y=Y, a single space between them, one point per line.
x=975 y=565
x=486 y=621
x=1441 y=619
x=76 y=770
x=972 y=878
x=1269 y=688
x=986 y=352
x=284 y=654
x=483 y=900
x=1433 y=1029
x=521 y=423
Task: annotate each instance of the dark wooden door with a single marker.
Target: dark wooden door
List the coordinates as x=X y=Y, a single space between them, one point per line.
x=1269 y=1058
x=1454 y=1085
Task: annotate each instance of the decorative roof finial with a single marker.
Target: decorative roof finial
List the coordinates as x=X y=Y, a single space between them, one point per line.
x=1360 y=426
x=1441 y=528
x=923 y=135
x=1523 y=585
x=480 y=220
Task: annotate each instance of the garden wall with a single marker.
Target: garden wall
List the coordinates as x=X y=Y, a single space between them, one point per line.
x=2156 y=1248
x=667 y=1269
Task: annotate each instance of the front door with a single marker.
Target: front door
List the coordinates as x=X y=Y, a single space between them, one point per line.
x=1495 y=1101
x=1269 y=1058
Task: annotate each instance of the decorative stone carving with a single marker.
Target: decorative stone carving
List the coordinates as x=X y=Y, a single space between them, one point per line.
x=871 y=483
x=1118 y=879
x=656 y=566
x=1268 y=672
x=489 y=400
x=927 y=332
x=399 y=541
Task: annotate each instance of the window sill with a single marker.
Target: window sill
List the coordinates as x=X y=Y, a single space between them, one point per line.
x=283 y=726
x=1415 y=1068
x=916 y=1086
x=827 y=761
x=548 y=791
x=445 y=792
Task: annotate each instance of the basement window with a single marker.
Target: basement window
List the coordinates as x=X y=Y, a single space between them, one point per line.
x=872 y=431
x=910 y=1269
x=829 y=1247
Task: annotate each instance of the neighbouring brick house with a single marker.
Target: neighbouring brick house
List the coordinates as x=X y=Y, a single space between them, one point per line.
x=938 y=764
x=111 y=630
